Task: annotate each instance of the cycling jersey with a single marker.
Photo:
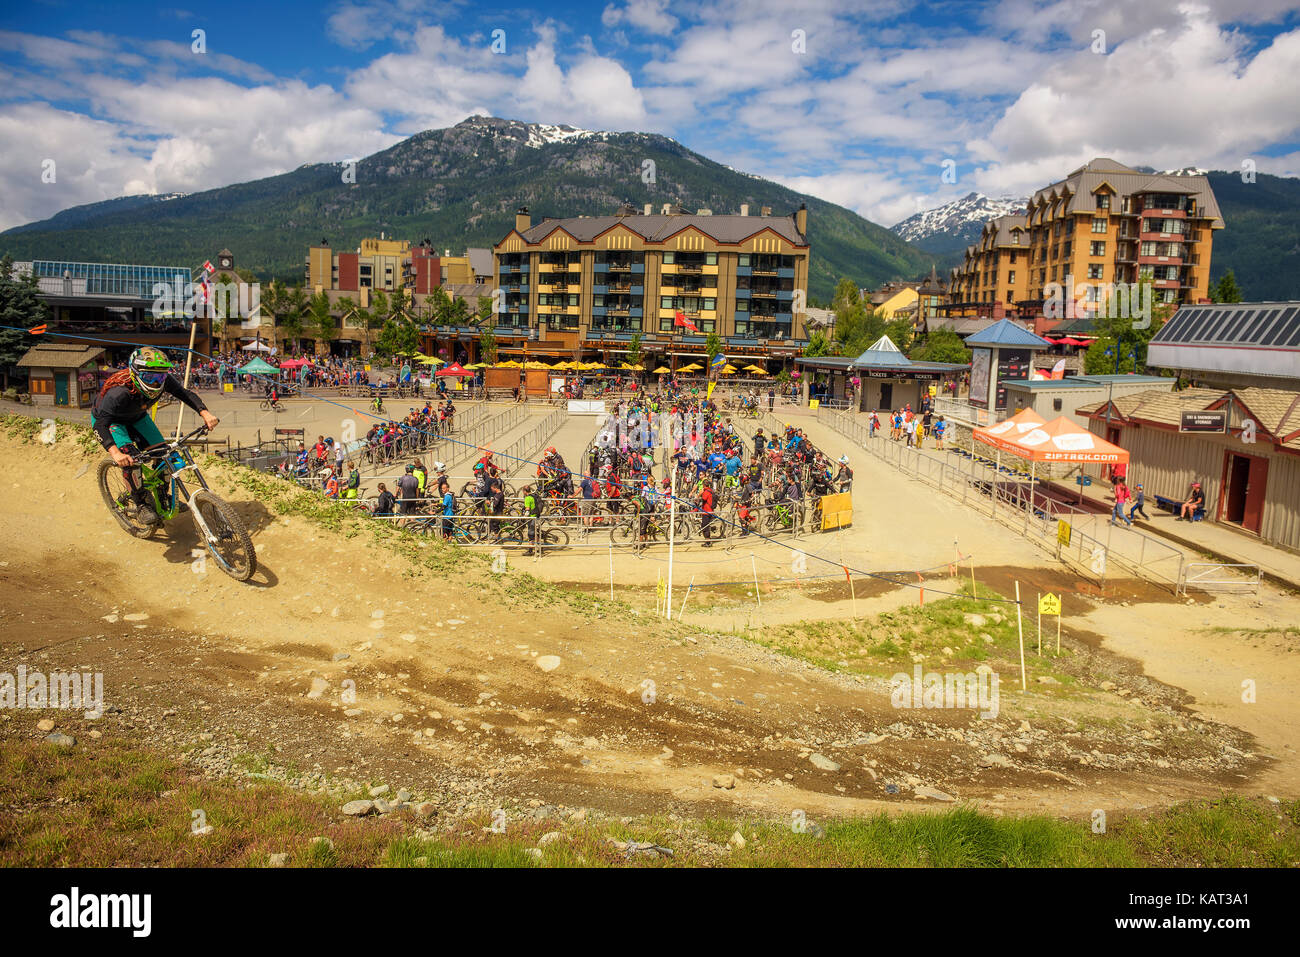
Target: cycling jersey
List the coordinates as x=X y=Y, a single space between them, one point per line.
x=121 y=409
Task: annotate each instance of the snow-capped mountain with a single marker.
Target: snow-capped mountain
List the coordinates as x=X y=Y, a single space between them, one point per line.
x=947 y=230
x=957 y=216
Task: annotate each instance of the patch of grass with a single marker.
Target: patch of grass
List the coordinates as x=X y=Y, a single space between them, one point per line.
x=105 y=806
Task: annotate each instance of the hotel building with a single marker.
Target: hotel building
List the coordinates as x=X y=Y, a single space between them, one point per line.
x=581 y=288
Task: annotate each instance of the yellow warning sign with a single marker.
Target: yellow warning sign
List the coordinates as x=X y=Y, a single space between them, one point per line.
x=1063 y=532
x=1049 y=604
x=814 y=403
x=228 y=387
x=837 y=511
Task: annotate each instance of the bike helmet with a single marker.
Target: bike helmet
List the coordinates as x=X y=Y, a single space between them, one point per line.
x=148 y=371
x=410 y=469
x=844 y=460
x=438 y=467
x=478 y=466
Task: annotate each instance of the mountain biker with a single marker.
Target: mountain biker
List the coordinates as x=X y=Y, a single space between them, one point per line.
x=707 y=499
x=533 y=509
x=409 y=486
x=120 y=415
x=354 y=482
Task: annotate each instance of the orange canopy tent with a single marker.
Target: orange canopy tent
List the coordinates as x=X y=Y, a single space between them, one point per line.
x=1060 y=440
x=1004 y=433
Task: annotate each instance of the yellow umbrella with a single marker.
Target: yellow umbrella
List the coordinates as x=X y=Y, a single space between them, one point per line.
x=661 y=370
x=512 y=364
x=478 y=365
x=755 y=369
x=631 y=368
x=563 y=366
x=693 y=367
x=534 y=364
x=729 y=369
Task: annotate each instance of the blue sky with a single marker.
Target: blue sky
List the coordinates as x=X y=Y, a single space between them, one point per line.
x=858 y=103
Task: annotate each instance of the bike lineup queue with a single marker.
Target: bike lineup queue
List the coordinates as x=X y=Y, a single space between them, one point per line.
x=785 y=475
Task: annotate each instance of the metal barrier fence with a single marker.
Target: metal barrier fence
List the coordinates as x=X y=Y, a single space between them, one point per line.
x=527 y=444
x=1010 y=498
x=469 y=441
x=1201 y=579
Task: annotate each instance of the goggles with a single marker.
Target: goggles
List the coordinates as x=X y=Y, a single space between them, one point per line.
x=152 y=377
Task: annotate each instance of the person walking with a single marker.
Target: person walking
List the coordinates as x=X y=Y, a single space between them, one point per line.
x=1121 y=499
x=1139 y=499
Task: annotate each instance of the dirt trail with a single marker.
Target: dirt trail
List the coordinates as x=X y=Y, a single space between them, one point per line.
x=456 y=655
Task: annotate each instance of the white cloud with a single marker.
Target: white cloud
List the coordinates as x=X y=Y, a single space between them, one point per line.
x=651 y=16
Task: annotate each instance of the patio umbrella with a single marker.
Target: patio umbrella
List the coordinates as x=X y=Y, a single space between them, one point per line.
x=693 y=367
x=631 y=368
x=534 y=364
x=662 y=370
x=728 y=369
x=258 y=347
x=512 y=364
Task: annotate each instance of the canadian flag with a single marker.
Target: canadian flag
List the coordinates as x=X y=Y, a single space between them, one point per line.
x=680 y=320
x=207 y=266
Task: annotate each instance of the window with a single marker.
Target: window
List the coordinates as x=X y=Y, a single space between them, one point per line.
x=670 y=258
x=1097 y=249
x=1056 y=403
x=743 y=260
x=1100 y=224
x=710 y=259
x=1011 y=276
x=1148 y=248
x=1095 y=271
x=1103 y=202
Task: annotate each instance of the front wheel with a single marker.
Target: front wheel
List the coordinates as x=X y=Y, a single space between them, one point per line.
x=225 y=536
x=120 y=500
x=624 y=533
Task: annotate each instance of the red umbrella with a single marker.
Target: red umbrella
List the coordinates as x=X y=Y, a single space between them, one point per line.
x=455 y=369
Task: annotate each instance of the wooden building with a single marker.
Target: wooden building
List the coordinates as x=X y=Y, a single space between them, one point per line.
x=63 y=374
x=1242 y=445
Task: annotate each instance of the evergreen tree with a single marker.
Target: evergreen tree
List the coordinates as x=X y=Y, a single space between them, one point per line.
x=941 y=345
x=20 y=309
x=1226 y=289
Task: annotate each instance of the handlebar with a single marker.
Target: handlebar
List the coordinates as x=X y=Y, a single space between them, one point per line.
x=162 y=448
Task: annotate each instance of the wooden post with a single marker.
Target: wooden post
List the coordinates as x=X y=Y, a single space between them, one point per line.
x=972 y=577
x=1040 y=624
x=189 y=358
x=672 y=523
x=754 y=564
x=1058 y=626
x=852 y=591
x=611 y=572
x=1020 y=630
x=686 y=599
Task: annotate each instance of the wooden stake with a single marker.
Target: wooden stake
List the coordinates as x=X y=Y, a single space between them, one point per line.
x=1058 y=628
x=687 y=598
x=754 y=564
x=852 y=591
x=1040 y=624
x=1020 y=629
x=972 y=577
x=611 y=572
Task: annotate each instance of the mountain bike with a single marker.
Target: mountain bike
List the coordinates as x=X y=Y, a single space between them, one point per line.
x=628 y=532
x=271 y=406
x=160 y=468
x=516 y=530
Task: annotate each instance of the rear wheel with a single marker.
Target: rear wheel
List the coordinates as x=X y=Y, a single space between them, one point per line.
x=555 y=538
x=624 y=533
x=228 y=542
x=120 y=500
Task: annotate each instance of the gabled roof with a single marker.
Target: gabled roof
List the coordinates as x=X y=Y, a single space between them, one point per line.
x=1004 y=332
x=59 y=355
x=1077 y=188
x=657 y=228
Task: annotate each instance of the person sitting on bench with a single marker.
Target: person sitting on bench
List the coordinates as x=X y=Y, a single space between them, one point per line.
x=1194 y=504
